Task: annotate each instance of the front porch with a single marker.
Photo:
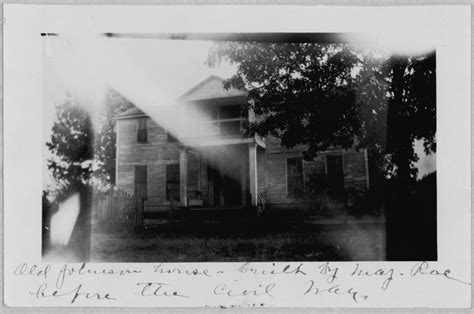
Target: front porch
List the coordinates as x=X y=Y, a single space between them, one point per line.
x=221 y=176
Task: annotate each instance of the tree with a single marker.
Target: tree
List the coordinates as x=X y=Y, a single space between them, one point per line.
x=305 y=91
x=323 y=95
x=77 y=158
x=411 y=111
x=411 y=115
x=105 y=145
x=372 y=87
x=71 y=145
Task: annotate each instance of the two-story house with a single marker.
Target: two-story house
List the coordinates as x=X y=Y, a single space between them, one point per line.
x=193 y=154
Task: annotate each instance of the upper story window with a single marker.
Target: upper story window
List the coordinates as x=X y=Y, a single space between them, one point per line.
x=142 y=130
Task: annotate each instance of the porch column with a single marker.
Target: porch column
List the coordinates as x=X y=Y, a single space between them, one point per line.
x=243 y=181
x=183 y=177
x=253 y=183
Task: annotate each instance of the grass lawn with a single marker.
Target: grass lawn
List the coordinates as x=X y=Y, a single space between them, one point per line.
x=240 y=238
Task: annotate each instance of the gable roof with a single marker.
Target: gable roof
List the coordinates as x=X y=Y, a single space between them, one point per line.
x=211 y=88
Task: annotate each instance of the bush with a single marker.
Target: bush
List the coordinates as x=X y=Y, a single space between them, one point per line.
x=354 y=201
x=319 y=199
x=357 y=201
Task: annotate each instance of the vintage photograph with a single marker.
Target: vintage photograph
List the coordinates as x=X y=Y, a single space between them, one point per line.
x=234 y=147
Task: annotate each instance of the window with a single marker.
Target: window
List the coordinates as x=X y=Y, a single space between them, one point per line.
x=141 y=181
x=142 y=131
x=294 y=175
x=172 y=182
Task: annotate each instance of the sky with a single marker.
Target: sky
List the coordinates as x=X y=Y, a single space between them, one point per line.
x=149 y=72
x=145 y=70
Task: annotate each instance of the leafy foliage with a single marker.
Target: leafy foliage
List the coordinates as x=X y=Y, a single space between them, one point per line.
x=411 y=110
x=77 y=158
x=323 y=95
x=305 y=91
x=71 y=145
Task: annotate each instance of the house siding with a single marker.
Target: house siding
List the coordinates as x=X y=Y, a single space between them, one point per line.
x=354 y=167
x=271 y=165
x=261 y=171
x=156 y=154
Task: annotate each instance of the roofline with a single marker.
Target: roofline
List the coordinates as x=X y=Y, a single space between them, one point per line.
x=131 y=116
x=195 y=87
x=143 y=114
x=191 y=101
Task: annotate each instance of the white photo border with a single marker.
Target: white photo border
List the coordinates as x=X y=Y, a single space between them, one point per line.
x=22 y=145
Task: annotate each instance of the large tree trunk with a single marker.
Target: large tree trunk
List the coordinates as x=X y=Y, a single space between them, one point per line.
x=400 y=145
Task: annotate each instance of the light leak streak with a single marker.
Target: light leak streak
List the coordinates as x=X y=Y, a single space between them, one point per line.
x=89 y=65
x=63 y=221
x=396 y=42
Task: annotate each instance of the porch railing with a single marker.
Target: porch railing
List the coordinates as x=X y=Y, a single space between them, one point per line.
x=221 y=127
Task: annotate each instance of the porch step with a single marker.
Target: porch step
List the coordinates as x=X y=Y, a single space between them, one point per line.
x=217 y=208
x=218 y=212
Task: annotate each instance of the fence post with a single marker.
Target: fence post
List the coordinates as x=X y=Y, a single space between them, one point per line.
x=108 y=211
x=99 y=206
x=118 y=208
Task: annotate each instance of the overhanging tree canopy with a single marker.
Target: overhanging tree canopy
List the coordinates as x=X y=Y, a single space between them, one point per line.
x=323 y=95
x=306 y=91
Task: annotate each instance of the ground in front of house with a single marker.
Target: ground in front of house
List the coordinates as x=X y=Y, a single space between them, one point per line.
x=234 y=238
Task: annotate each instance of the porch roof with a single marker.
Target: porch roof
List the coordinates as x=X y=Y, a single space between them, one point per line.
x=203 y=141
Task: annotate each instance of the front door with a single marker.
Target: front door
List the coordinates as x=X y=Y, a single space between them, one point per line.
x=231 y=184
x=224 y=179
x=214 y=184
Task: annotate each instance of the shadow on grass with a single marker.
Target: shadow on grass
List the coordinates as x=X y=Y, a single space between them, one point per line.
x=234 y=238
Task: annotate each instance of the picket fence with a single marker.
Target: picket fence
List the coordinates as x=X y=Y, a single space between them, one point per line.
x=115 y=207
